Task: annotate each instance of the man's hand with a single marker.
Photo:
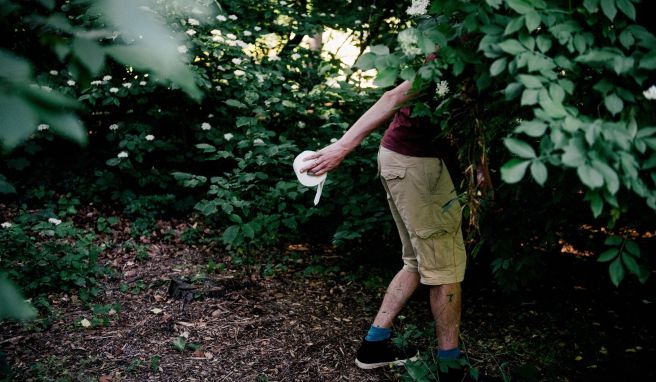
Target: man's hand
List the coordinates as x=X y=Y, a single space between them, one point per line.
x=326 y=159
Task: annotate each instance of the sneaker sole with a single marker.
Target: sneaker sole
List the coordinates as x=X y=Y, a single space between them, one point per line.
x=369 y=366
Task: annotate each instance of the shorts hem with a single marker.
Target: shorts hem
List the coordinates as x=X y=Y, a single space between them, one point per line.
x=441 y=280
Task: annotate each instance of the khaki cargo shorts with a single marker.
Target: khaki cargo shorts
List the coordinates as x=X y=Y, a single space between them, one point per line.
x=424 y=205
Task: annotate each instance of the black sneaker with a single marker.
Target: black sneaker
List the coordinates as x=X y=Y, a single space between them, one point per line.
x=373 y=354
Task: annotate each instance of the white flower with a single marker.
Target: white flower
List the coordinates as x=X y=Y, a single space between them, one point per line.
x=150 y=137
x=232 y=17
x=257 y=29
x=113 y=126
x=205 y=126
x=418 y=7
x=193 y=22
x=236 y=61
x=332 y=15
x=113 y=90
x=54 y=72
x=221 y=18
x=215 y=32
x=239 y=73
x=6 y=225
x=258 y=142
x=182 y=49
x=442 y=88
x=107 y=78
x=190 y=32
x=228 y=136
x=218 y=39
x=301 y=124
x=274 y=58
x=42 y=127
x=220 y=67
x=247 y=33
x=358 y=22
x=333 y=140
x=70 y=83
x=96 y=82
x=408 y=39
x=241 y=44
x=650 y=93
x=127 y=85
x=54 y=221
x=142 y=83
x=122 y=154
x=359 y=8
x=322 y=14
x=85 y=323
x=296 y=56
x=373 y=6
x=283 y=3
x=231 y=36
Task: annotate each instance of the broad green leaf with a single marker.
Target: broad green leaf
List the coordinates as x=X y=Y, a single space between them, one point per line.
x=631 y=263
x=512 y=90
x=616 y=270
x=512 y=46
x=89 y=53
x=539 y=172
x=531 y=82
x=557 y=93
x=408 y=74
x=380 y=50
x=591 y=5
x=571 y=124
x=514 y=25
x=608 y=7
x=248 y=231
x=573 y=155
x=627 y=39
x=623 y=64
x=608 y=255
x=534 y=128
x=614 y=240
x=529 y=97
x=366 y=61
x=17 y=121
x=206 y=148
x=12 y=304
x=532 y=21
x=590 y=176
x=519 y=147
x=648 y=61
x=596 y=203
x=627 y=8
x=513 y=171
x=552 y=108
x=610 y=176
x=68 y=125
x=14 y=68
x=520 y=6
x=5 y=186
x=613 y=103
x=230 y=234
x=386 y=78
x=543 y=42
x=235 y=103
x=632 y=248
x=596 y=56
x=498 y=66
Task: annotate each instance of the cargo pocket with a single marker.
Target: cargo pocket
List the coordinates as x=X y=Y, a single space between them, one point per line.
x=448 y=212
x=438 y=248
x=392 y=175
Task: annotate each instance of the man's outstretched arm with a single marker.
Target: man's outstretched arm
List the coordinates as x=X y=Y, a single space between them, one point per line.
x=331 y=156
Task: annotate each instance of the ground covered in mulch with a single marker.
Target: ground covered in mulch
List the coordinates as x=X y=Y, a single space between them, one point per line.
x=299 y=312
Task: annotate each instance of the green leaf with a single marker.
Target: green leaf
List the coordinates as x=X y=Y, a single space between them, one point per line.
x=627 y=39
x=608 y=7
x=616 y=271
x=179 y=344
x=532 y=21
x=512 y=47
x=608 y=255
x=14 y=68
x=498 y=66
x=513 y=171
x=12 y=304
x=68 y=125
x=531 y=82
x=408 y=74
x=591 y=5
x=632 y=248
x=519 y=148
x=235 y=103
x=17 y=121
x=627 y=8
x=206 y=148
x=366 y=61
x=534 y=128
x=648 y=61
x=573 y=155
x=514 y=25
x=543 y=42
x=386 y=78
x=512 y=90
x=529 y=97
x=631 y=264
x=248 y=231
x=89 y=53
x=5 y=186
x=610 y=176
x=230 y=234
x=539 y=172
x=613 y=103
x=596 y=203
x=380 y=50
x=613 y=240
x=520 y=6
x=590 y=176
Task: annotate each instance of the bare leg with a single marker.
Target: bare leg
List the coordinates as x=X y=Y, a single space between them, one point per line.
x=399 y=290
x=445 y=303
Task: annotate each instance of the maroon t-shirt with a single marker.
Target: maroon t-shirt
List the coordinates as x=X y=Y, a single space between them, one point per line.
x=411 y=136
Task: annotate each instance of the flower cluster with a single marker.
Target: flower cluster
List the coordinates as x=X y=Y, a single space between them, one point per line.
x=408 y=40
x=442 y=88
x=418 y=7
x=650 y=93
